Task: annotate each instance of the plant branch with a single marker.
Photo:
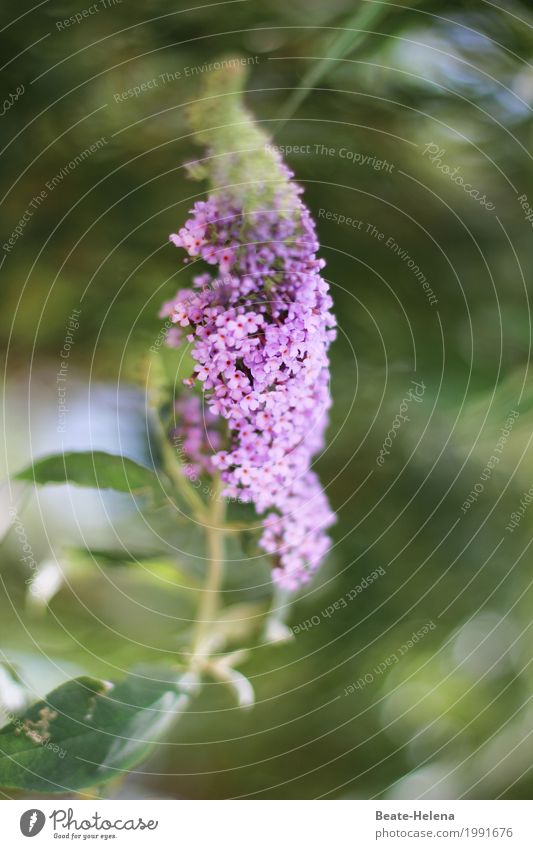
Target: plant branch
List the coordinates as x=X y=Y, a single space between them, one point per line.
x=351 y=37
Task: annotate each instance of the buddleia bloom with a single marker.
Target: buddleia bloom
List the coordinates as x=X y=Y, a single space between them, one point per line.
x=259 y=324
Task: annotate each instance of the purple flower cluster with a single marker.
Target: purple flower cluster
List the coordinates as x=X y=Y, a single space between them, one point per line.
x=260 y=329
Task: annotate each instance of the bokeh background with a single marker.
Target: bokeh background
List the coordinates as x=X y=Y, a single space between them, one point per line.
x=452 y=716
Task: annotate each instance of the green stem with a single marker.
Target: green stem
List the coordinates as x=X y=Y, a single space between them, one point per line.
x=353 y=33
x=209 y=601
x=179 y=481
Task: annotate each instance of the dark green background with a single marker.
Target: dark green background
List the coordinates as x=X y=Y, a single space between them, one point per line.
x=453 y=717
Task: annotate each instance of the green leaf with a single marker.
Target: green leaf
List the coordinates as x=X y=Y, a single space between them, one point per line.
x=96 y=469
x=88 y=732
